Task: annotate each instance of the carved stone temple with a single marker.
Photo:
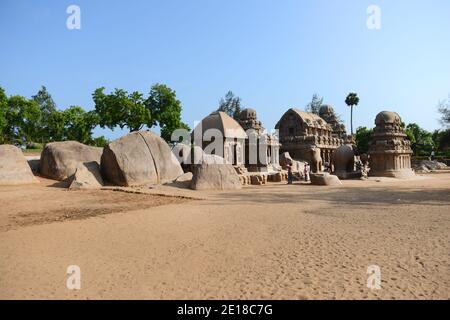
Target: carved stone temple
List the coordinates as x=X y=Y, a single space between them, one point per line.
x=221 y=135
x=261 y=149
x=389 y=149
x=326 y=112
x=253 y=148
x=300 y=132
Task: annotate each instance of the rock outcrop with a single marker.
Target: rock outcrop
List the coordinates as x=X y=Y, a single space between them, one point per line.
x=425 y=166
x=215 y=177
x=60 y=160
x=87 y=176
x=324 y=179
x=139 y=158
x=14 y=168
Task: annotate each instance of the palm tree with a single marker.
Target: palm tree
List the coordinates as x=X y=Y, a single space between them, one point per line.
x=352 y=100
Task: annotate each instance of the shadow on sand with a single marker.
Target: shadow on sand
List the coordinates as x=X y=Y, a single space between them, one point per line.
x=345 y=196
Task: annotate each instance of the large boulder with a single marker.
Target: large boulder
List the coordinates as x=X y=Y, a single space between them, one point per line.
x=14 y=168
x=324 y=179
x=189 y=157
x=215 y=177
x=139 y=158
x=60 y=160
x=87 y=176
x=343 y=160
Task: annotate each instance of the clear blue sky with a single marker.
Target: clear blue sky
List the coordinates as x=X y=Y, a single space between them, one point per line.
x=273 y=54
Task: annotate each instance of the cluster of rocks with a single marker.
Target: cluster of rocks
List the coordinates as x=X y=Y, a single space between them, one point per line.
x=139 y=158
x=425 y=166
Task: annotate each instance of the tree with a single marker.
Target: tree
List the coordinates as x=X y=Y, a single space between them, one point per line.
x=421 y=140
x=3 y=109
x=99 y=142
x=47 y=107
x=122 y=109
x=441 y=139
x=315 y=104
x=134 y=112
x=231 y=105
x=362 y=139
x=165 y=109
x=352 y=100
x=22 y=120
x=78 y=124
x=444 y=109
x=55 y=124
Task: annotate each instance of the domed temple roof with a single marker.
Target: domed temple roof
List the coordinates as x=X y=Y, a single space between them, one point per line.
x=224 y=123
x=248 y=113
x=387 y=117
x=326 y=108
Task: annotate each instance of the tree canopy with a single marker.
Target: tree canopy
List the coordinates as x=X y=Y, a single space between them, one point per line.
x=315 y=104
x=421 y=140
x=27 y=121
x=231 y=105
x=362 y=138
x=133 y=111
x=3 y=110
x=351 y=100
x=165 y=109
x=444 y=110
x=120 y=109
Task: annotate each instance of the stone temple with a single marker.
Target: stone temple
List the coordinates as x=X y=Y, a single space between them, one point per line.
x=300 y=132
x=326 y=112
x=232 y=143
x=261 y=149
x=389 y=149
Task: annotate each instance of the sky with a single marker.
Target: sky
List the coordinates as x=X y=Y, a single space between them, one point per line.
x=273 y=54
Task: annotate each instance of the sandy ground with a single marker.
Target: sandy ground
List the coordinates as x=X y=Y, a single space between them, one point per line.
x=270 y=242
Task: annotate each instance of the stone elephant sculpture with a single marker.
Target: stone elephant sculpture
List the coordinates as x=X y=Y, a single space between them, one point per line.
x=315 y=160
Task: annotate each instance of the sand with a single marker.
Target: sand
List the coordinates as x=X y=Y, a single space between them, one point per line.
x=266 y=242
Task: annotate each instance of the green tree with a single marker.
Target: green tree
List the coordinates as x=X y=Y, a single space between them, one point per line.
x=99 y=142
x=78 y=124
x=421 y=140
x=441 y=139
x=165 y=109
x=47 y=106
x=231 y=105
x=351 y=100
x=315 y=104
x=3 y=109
x=22 y=120
x=362 y=139
x=122 y=109
x=55 y=124
x=444 y=109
